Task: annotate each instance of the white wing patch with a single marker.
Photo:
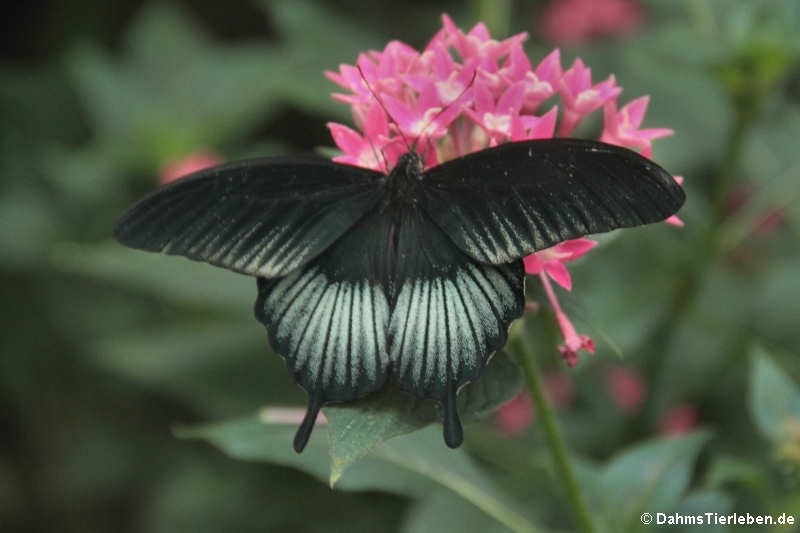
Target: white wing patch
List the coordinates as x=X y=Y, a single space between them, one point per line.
x=445 y=327
x=332 y=333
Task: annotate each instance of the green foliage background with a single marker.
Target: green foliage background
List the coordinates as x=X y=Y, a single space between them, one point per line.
x=106 y=351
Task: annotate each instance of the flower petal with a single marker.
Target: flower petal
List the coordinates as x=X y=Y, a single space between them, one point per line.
x=559 y=273
x=533 y=265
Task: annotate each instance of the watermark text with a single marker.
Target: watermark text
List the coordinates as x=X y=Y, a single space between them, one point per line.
x=718 y=519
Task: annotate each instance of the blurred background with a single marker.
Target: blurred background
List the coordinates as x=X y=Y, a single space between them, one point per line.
x=105 y=350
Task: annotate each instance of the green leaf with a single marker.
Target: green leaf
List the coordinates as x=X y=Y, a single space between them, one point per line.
x=412 y=465
x=180 y=89
x=254 y=500
x=727 y=470
x=337 y=39
x=165 y=277
x=769 y=160
x=774 y=398
x=648 y=477
x=217 y=367
x=697 y=503
x=358 y=427
x=776 y=306
x=649 y=67
x=168 y=353
x=255 y=438
x=444 y=512
x=28 y=225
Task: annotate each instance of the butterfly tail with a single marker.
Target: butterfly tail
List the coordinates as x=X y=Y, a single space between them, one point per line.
x=453 y=433
x=307 y=426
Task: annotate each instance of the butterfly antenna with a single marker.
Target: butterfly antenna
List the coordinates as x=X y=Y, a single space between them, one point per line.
x=383 y=106
x=375 y=155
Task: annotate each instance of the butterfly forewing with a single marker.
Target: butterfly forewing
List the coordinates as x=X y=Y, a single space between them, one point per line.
x=503 y=203
x=261 y=217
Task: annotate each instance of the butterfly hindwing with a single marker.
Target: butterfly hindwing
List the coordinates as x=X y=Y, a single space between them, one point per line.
x=263 y=217
x=503 y=203
x=329 y=319
x=451 y=313
x=395 y=299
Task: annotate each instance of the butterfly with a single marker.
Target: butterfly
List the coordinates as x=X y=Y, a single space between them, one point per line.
x=411 y=277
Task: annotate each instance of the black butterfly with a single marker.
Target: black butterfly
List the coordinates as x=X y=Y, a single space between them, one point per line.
x=412 y=277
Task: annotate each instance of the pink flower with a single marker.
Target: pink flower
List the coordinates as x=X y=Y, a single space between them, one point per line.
x=576 y=21
x=560 y=388
x=451 y=79
x=573 y=342
x=540 y=84
x=495 y=117
x=514 y=416
x=627 y=388
x=581 y=97
x=518 y=413
x=622 y=127
x=529 y=128
x=770 y=222
x=478 y=43
x=364 y=151
x=427 y=116
x=552 y=260
x=193 y=162
x=674 y=220
x=742 y=194
x=467 y=91
x=678 y=420
x=550 y=263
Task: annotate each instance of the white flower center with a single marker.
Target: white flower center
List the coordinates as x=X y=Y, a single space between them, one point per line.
x=535 y=85
x=551 y=254
x=501 y=123
x=586 y=97
x=419 y=126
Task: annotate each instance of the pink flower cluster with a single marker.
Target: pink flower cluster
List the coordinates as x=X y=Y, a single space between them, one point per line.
x=465 y=92
x=576 y=21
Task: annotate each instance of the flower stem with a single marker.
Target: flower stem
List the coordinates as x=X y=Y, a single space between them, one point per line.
x=496 y=14
x=555 y=440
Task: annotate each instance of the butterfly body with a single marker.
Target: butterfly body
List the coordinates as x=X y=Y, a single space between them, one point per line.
x=412 y=277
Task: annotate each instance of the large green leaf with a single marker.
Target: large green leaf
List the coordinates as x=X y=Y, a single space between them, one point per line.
x=698 y=503
x=358 y=427
x=648 y=477
x=412 y=465
x=217 y=367
x=444 y=512
x=774 y=398
x=179 y=88
x=255 y=499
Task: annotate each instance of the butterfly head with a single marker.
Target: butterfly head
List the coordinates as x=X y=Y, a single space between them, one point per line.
x=405 y=177
x=410 y=164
